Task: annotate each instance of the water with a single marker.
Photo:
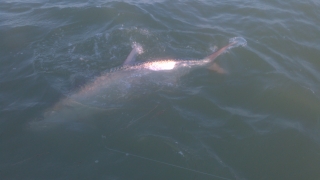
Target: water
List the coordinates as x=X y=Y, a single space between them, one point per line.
x=261 y=120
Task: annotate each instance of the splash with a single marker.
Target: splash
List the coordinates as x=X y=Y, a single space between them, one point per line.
x=137 y=47
x=238 y=41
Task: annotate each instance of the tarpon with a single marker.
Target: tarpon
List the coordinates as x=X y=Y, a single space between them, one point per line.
x=114 y=88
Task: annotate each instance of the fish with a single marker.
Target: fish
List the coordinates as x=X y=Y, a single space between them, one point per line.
x=113 y=89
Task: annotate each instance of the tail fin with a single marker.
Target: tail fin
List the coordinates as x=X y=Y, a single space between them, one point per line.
x=233 y=42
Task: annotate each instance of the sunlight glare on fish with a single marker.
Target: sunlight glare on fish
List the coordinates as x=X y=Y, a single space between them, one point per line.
x=160 y=65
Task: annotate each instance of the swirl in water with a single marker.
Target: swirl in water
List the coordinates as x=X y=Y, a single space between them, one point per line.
x=238 y=41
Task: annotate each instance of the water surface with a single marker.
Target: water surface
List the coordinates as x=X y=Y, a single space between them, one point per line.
x=259 y=121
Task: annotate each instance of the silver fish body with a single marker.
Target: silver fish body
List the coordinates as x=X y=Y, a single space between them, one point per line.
x=115 y=88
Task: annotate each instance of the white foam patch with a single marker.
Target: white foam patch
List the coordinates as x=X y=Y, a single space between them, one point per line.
x=238 y=41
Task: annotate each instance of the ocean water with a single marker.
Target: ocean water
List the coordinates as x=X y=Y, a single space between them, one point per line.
x=260 y=120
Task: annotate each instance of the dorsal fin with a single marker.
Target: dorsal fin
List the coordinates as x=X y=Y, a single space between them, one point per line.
x=136 y=49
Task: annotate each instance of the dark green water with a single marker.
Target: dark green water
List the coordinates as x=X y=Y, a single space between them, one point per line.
x=259 y=121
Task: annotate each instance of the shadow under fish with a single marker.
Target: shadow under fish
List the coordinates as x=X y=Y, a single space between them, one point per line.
x=132 y=80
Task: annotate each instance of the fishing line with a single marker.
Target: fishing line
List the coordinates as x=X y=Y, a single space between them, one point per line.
x=168 y=164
